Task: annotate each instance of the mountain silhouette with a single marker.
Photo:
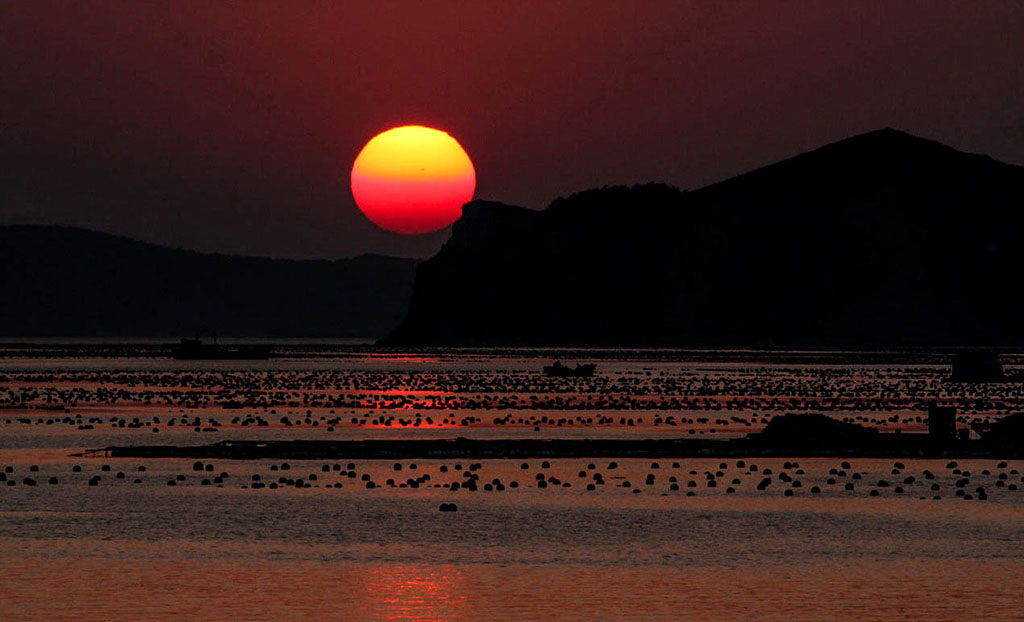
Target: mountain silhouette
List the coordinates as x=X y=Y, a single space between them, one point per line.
x=60 y=281
x=882 y=239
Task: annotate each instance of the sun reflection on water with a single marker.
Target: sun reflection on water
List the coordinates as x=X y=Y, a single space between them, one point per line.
x=411 y=592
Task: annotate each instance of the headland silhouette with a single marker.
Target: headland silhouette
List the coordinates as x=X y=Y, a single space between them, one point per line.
x=882 y=239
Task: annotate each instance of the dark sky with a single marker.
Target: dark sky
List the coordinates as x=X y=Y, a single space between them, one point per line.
x=232 y=127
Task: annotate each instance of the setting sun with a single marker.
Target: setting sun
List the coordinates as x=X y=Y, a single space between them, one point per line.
x=412 y=179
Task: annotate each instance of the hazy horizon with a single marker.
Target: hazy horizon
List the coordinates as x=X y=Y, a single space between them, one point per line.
x=232 y=127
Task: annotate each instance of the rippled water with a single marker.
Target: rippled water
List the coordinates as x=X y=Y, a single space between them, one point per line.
x=126 y=551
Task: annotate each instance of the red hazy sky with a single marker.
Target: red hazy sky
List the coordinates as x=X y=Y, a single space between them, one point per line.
x=232 y=127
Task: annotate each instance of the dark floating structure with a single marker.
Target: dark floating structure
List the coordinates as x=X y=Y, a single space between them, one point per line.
x=564 y=371
x=977 y=367
x=195 y=349
x=942 y=424
x=791 y=435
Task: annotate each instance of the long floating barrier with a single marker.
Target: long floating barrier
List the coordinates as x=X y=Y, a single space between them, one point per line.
x=883 y=446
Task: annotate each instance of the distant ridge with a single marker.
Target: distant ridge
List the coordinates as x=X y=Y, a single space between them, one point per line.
x=69 y=282
x=881 y=239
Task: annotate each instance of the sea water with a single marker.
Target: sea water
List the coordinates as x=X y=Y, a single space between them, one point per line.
x=135 y=547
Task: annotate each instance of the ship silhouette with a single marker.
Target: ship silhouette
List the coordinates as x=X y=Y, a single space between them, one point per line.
x=195 y=349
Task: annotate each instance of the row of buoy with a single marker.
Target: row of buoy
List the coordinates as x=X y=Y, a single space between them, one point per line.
x=742 y=390
x=471 y=478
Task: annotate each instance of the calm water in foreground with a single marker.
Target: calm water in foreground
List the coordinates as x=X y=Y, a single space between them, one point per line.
x=127 y=550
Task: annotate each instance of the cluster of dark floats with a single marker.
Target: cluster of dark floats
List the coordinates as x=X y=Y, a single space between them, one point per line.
x=668 y=479
x=736 y=398
x=787 y=435
x=537 y=422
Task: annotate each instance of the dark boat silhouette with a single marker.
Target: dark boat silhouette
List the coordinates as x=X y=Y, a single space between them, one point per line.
x=564 y=371
x=195 y=349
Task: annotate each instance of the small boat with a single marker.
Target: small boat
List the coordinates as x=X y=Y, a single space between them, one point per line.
x=196 y=350
x=564 y=371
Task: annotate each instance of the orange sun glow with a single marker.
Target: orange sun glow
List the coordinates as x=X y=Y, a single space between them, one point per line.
x=412 y=179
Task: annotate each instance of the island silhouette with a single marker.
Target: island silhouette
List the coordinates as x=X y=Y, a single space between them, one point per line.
x=882 y=239
x=77 y=283
x=879 y=240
